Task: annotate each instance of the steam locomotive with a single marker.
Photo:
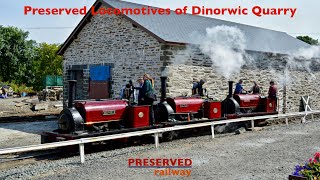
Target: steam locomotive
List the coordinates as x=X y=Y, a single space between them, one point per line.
x=89 y=118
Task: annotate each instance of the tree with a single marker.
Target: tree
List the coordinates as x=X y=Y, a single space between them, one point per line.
x=46 y=62
x=16 y=55
x=24 y=61
x=308 y=39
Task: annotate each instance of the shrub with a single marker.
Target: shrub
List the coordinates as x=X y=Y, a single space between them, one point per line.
x=19 y=88
x=310 y=169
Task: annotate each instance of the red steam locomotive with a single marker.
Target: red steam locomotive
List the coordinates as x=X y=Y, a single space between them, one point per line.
x=89 y=118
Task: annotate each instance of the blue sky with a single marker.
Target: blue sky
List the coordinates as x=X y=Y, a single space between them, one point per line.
x=305 y=22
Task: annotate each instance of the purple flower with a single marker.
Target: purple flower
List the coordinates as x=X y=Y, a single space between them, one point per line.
x=307 y=166
x=298 y=168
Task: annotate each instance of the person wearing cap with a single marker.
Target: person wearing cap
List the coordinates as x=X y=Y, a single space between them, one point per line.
x=239 y=87
x=197 y=88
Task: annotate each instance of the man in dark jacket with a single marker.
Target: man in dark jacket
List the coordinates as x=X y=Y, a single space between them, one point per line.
x=255 y=88
x=239 y=88
x=273 y=91
x=197 y=88
x=126 y=91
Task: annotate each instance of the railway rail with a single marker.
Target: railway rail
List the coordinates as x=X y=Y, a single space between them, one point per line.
x=29 y=118
x=18 y=159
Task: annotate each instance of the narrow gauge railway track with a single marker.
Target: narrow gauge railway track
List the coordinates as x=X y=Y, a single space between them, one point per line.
x=18 y=159
x=29 y=118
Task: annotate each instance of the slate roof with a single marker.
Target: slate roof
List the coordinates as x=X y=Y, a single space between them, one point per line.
x=178 y=29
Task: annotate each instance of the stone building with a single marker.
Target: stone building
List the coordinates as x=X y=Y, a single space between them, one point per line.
x=105 y=51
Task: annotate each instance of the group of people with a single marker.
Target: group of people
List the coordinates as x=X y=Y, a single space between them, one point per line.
x=255 y=89
x=198 y=89
x=146 y=94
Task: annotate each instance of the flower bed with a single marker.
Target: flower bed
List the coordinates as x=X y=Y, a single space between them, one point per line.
x=309 y=170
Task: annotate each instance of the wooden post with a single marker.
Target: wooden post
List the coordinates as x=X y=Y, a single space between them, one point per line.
x=156 y=139
x=303 y=119
x=284 y=96
x=81 y=149
x=212 y=131
x=252 y=125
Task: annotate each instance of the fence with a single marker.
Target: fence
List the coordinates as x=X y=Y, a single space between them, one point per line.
x=156 y=133
x=51 y=80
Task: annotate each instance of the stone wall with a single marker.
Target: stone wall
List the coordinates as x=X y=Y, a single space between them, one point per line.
x=184 y=68
x=112 y=40
x=115 y=41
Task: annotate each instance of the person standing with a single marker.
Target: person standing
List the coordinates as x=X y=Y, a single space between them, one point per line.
x=126 y=91
x=147 y=95
x=273 y=91
x=197 y=88
x=255 y=88
x=239 y=87
x=138 y=91
x=3 y=92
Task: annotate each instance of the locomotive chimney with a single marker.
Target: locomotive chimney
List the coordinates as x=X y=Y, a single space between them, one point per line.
x=163 y=88
x=72 y=88
x=230 y=88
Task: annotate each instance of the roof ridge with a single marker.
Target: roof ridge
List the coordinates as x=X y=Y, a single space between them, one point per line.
x=198 y=16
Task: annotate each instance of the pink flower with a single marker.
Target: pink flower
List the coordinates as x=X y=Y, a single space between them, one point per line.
x=310 y=160
x=317 y=155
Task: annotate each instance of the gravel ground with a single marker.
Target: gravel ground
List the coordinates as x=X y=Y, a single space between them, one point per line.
x=22 y=106
x=268 y=154
x=24 y=133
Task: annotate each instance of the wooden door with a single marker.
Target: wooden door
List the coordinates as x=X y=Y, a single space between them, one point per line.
x=99 y=84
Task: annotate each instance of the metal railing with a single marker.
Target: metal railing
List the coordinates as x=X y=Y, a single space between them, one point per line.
x=156 y=133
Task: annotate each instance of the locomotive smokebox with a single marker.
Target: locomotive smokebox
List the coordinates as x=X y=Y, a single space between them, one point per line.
x=164 y=110
x=163 y=88
x=230 y=105
x=72 y=88
x=230 y=88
